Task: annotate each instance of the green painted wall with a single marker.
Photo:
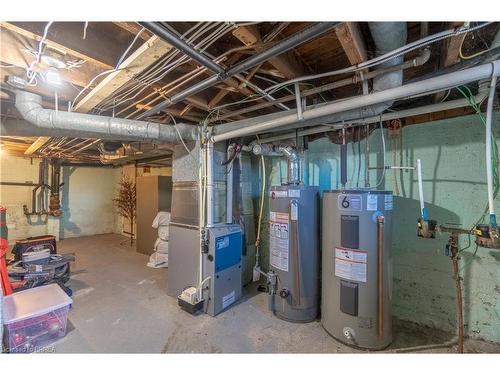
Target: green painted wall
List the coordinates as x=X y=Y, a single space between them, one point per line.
x=452 y=154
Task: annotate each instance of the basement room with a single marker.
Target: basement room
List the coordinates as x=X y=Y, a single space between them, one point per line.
x=182 y=182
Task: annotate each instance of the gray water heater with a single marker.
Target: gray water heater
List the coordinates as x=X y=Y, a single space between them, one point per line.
x=294 y=252
x=357 y=267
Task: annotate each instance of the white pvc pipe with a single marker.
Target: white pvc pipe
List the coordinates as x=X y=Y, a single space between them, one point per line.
x=458 y=103
x=437 y=83
x=421 y=190
x=489 y=168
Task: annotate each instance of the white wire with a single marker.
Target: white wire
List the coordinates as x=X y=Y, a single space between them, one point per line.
x=29 y=72
x=203 y=44
x=129 y=48
x=388 y=56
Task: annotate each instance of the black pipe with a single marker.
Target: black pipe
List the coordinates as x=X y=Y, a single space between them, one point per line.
x=279 y=48
x=175 y=40
x=7 y=183
x=343 y=165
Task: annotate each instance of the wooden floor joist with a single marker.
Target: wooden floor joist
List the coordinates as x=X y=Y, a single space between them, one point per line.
x=137 y=62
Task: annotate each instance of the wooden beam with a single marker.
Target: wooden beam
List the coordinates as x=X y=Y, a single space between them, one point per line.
x=286 y=63
x=452 y=46
x=134 y=28
x=72 y=45
x=37 y=145
x=352 y=42
x=137 y=62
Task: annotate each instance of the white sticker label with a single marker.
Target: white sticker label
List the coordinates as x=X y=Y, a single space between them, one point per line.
x=350 y=202
x=278 y=194
x=388 y=202
x=38 y=268
x=228 y=299
x=372 y=202
x=279 y=239
x=351 y=264
x=294 y=210
x=294 y=193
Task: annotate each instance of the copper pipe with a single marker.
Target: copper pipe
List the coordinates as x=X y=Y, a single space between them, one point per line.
x=458 y=288
x=380 y=274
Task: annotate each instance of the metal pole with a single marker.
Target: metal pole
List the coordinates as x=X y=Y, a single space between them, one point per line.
x=279 y=48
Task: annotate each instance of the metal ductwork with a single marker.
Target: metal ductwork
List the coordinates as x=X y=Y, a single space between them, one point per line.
x=81 y=125
x=291 y=154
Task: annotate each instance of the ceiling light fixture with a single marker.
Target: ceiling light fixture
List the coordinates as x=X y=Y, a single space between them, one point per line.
x=52 y=76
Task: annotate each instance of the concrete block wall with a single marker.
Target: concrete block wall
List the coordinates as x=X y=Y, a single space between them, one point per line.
x=452 y=153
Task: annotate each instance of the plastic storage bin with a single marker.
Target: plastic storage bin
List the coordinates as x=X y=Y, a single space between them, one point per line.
x=35 y=318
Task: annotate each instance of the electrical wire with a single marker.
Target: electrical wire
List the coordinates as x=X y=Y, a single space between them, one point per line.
x=129 y=48
x=29 y=71
x=463 y=57
x=261 y=207
x=387 y=56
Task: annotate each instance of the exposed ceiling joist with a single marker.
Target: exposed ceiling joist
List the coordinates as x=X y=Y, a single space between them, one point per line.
x=37 y=145
x=286 y=63
x=134 y=28
x=137 y=62
x=352 y=42
x=61 y=41
x=452 y=46
x=12 y=52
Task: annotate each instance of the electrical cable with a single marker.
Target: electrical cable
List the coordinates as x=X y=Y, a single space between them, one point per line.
x=461 y=55
x=29 y=71
x=261 y=208
x=387 y=56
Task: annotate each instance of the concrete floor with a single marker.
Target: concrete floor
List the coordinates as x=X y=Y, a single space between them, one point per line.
x=120 y=306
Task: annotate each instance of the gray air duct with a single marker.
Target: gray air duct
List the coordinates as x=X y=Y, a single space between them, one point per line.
x=387 y=36
x=82 y=125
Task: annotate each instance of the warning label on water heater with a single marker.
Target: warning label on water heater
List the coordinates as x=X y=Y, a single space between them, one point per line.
x=351 y=264
x=279 y=239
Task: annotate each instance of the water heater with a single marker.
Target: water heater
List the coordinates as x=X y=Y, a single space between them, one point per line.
x=357 y=267
x=294 y=252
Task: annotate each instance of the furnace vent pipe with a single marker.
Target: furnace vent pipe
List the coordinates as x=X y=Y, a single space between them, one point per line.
x=290 y=152
x=30 y=107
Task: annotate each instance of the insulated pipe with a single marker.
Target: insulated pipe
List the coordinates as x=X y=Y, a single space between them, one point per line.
x=313 y=116
x=29 y=106
x=279 y=48
x=181 y=45
x=489 y=168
